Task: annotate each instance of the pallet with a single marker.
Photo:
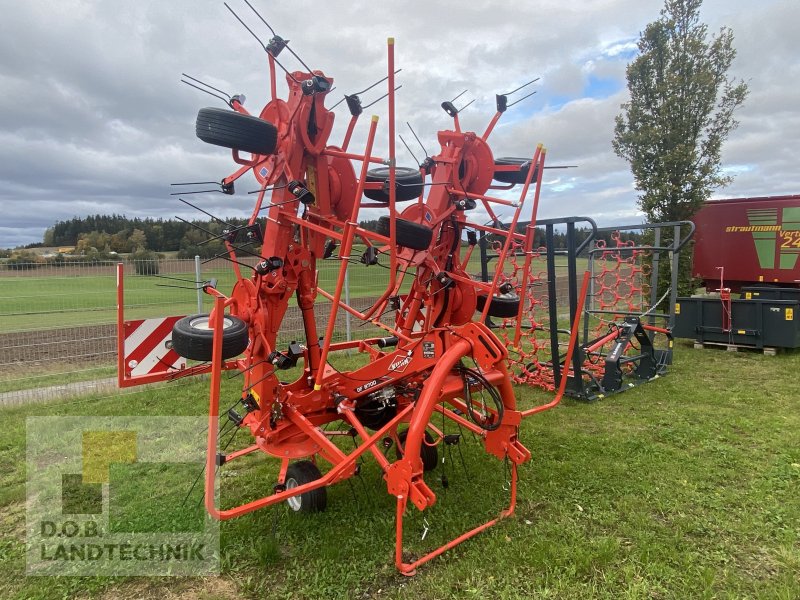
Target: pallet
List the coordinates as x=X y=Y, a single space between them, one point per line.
x=767 y=350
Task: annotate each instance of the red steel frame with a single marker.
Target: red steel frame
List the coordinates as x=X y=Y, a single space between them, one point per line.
x=434 y=315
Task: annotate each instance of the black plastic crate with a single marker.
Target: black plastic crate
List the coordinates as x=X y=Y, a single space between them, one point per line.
x=756 y=322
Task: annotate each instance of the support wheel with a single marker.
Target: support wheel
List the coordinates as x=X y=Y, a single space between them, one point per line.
x=407 y=181
x=234 y=130
x=300 y=473
x=516 y=177
x=193 y=338
x=409 y=234
x=428 y=452
x=504 y=307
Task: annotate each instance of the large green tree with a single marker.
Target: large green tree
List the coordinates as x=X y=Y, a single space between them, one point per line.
x=681 y=110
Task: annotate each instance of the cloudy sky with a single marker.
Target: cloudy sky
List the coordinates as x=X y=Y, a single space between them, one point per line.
x=94 y=119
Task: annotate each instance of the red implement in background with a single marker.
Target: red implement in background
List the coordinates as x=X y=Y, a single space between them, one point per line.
x=756 y=240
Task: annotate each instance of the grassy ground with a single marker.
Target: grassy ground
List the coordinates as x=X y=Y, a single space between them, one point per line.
x=26 y=377
x=683 y=488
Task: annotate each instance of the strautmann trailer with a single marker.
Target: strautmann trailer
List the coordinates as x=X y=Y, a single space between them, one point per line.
x=749 y=246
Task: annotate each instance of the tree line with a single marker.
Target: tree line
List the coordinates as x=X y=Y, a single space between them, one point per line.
x=106 y=234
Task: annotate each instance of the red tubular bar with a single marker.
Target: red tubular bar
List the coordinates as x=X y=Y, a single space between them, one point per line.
x=656 y=329
x=347 y=244
x=273 y=89
x=392 y=173
x=491 y=125
x=364 y=234
x=409 y=569
x=380 y=302
x=573 y=342
x=213 y=408
x=501 y=259
x=350 y=155
x=485 y=198
x=350 y=127
x=353 y=344
x=242 y=452
x=602 y=341
x=430 y=396
x=523 y=287
x=530 y=236
x=120 y=325
x=460 y=420
x=489 y=211
x=501 y=232
x=364 y=434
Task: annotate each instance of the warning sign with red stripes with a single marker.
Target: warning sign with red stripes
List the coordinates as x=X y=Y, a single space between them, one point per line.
x=148 y=347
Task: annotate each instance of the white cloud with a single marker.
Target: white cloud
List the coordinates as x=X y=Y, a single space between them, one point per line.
x=93 y=117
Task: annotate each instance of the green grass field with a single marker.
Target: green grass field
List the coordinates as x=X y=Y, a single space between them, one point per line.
x=686 y=487
x=54 y=300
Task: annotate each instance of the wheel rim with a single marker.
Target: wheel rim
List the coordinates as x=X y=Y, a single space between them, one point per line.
x=294 y=502
x=203 y=323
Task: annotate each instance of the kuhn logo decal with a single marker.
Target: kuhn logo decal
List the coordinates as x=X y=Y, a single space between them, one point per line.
x=399 y=364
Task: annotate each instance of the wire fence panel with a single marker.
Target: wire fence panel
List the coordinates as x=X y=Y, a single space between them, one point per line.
x=58 y=322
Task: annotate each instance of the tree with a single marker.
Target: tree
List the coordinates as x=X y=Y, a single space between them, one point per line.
x=680 y=113
x=138 y=240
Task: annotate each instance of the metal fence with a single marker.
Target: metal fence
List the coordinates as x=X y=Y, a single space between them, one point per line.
x=58 y=322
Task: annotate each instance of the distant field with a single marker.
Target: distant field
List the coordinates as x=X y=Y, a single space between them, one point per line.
x=49 y=298
x=55 y=301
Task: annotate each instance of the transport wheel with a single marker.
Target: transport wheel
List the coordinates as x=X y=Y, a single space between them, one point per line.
x=193 y=338
x=505 y=306
x=409 y=234
x=513 y=176
x=234 y=130
x=300 y=473
x=428 y=453
x=408 y=181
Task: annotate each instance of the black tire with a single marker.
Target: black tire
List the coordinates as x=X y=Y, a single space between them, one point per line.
x=428 y=454
x=193 y=338
x=409 y=234
x=504 y=307
x=517 y=177
x=409 y=183
x=234 y=130
x=300 y=473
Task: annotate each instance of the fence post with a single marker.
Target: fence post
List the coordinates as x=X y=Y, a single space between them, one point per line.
x=198 y=280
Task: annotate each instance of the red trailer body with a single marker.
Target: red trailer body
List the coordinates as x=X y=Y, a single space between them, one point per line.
x=756 y=240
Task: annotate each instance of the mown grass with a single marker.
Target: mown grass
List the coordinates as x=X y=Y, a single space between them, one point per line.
x=683 y=488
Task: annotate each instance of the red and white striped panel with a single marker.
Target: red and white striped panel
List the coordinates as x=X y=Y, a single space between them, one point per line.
x=148 y=347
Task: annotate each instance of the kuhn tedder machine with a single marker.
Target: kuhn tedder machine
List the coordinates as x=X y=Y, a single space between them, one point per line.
x=437 y=357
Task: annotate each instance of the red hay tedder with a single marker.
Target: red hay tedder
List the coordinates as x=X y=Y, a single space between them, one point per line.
x=438 y=357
